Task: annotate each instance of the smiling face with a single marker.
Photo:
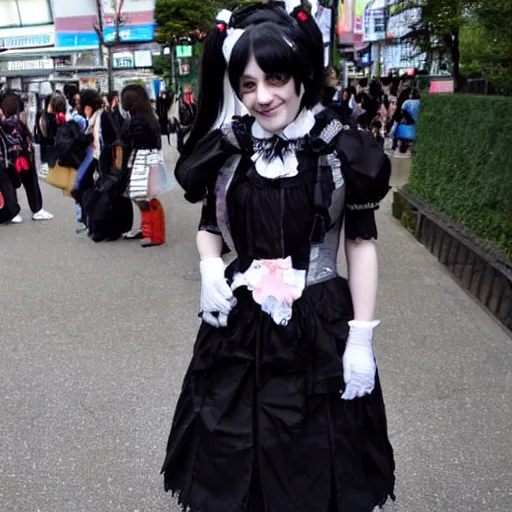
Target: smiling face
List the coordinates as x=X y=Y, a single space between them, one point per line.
x=271 y=98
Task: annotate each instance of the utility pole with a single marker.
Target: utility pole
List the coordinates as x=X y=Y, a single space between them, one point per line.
x=110 y=46
x=98 y=27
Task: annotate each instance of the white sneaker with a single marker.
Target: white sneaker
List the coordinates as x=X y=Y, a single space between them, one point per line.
x=42 y=215
x=16 y=220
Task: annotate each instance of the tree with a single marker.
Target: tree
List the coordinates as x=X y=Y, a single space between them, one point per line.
x=438 y=32
x=189 y=18
x=486 y=45
x=183 y=18
x=192 y=19
x=494 y=18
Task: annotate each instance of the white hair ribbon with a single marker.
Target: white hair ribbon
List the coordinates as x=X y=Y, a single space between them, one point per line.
x=224 y=16
x=234 y=34
x=231 y=105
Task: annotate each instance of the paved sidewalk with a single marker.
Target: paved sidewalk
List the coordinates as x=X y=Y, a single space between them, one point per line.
x=95 y=339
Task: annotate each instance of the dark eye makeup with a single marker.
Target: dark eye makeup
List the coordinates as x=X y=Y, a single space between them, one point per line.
x=248 y=85
x=278 y=78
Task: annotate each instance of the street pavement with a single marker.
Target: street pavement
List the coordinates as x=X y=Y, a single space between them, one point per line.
x=95 y=340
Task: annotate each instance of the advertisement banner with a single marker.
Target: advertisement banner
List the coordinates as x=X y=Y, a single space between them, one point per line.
x=323 y=18
x=374 y=20
x=400 y=22
x=346 y=23
x=361 y=20
x=74 y=22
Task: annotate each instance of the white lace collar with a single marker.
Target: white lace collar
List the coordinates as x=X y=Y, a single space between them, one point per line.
x=297 y=129
x=285 y=167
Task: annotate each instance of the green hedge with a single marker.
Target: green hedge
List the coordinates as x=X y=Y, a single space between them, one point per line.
x=463 y=163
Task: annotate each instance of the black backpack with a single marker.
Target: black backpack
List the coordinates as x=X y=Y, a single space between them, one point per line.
x=107 y=213
x=70 y=147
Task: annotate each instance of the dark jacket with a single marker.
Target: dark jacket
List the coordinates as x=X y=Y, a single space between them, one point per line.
x=70 y=145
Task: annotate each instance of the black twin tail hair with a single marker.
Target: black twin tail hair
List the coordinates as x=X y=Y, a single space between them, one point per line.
x=211 y=86
x=213 y=64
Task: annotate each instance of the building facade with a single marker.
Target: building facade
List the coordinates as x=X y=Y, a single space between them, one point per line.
x=47 y=43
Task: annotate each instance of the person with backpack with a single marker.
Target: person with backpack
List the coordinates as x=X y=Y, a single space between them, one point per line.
x=46 y=127
x=19 y=162
x=71 y=143
x=99 y=186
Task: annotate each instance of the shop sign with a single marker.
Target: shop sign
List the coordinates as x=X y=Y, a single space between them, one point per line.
x=441 y=86
x=123 y=60
x=184 y=51
x=130 y=34
x=26 y=41
x=29 y=65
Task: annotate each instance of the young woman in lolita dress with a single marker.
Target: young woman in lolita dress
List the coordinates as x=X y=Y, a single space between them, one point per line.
x=281 y=408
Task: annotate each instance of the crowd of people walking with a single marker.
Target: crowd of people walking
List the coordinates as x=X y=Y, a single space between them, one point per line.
x=388 y=108
x=87 y=144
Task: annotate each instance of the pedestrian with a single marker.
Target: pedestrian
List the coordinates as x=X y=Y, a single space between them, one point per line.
x=163 y=106
x=92 y=107
x=20 y=162
x=281 y=407
x=142 y=131
x=76 y=112
x=106 y=101
x=183 y=115
x=406 y=129
x=46 y=129
x=360 y=113
x=398 y=116
x=115 y=108
x=99 y=186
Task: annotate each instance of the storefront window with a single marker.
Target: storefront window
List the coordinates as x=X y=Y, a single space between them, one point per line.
x=18 y=13
x=9 y=14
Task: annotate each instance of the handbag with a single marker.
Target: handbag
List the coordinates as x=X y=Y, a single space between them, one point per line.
x=406 y=131
x=148 y=176
x=61 y=177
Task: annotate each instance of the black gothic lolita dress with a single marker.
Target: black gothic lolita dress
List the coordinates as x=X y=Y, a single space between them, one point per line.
x=260 y=425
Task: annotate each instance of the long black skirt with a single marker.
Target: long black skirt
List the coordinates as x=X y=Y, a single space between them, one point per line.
x=260 y=425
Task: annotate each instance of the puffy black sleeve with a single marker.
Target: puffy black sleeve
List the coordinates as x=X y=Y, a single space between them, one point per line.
x=197 y=171
x=208 y=221
x=367 y=170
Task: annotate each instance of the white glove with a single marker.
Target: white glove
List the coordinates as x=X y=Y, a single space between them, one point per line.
x=358 y=360
x=217 y=299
